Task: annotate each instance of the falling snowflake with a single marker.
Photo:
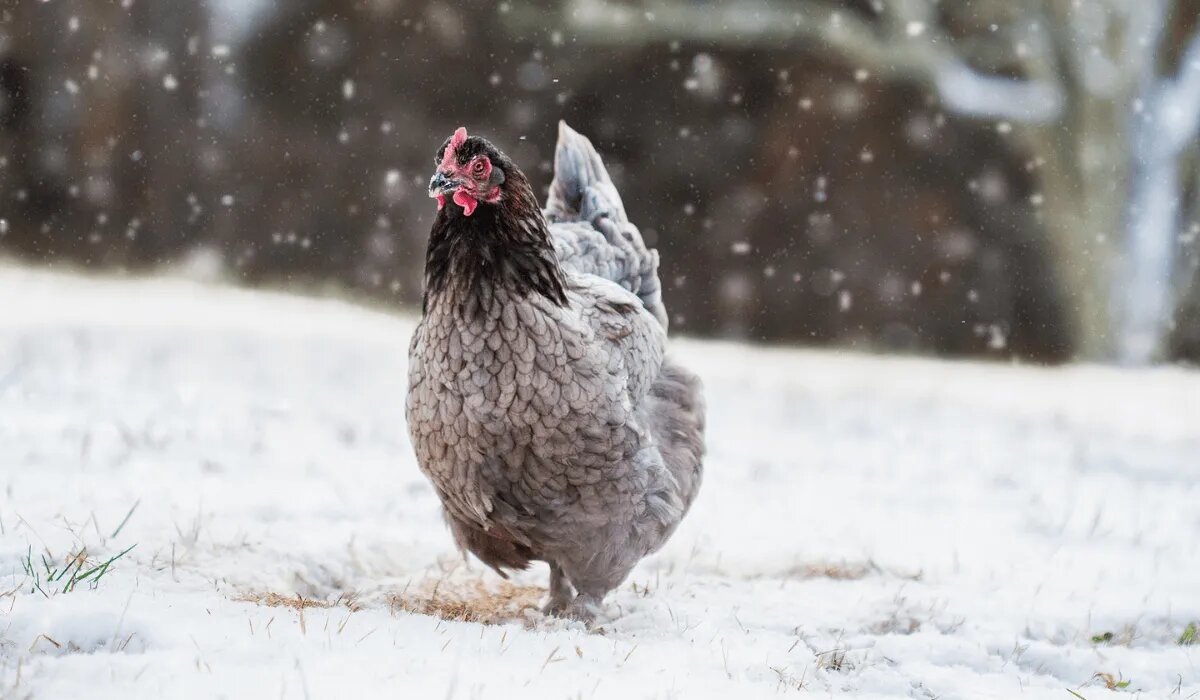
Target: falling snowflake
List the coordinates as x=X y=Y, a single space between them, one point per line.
x=996 y=338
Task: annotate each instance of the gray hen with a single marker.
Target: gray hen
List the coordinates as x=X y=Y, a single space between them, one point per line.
x=540 y=403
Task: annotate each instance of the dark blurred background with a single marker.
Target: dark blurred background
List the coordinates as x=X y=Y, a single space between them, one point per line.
x=1002 y=178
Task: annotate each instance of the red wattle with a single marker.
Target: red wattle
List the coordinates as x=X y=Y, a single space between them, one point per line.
x=441 y=200
x=466 y=201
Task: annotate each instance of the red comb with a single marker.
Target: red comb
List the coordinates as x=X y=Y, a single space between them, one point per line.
x=458 y=139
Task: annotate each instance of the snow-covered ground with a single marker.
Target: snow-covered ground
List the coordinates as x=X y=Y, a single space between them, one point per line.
x=885 y=527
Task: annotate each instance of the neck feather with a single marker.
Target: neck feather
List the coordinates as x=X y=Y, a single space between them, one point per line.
x=505 y=245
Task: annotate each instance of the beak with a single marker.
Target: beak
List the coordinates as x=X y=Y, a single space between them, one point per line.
x=442 y=184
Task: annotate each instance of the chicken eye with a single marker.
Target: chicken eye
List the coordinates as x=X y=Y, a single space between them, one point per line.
x=478 y=167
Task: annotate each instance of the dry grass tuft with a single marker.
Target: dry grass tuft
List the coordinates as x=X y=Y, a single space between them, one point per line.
x=846 y=571
x=836 y=660
x=296 y=602
x=469 y=601
x=1110 y=681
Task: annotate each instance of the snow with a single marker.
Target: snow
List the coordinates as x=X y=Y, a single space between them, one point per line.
x=890 y=528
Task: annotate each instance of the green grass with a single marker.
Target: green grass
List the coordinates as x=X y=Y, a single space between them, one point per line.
x=1189 y=636
x=1108 y=680
x=51 y=578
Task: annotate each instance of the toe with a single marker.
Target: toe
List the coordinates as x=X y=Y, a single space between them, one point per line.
x=556 y=606
x=584 y=608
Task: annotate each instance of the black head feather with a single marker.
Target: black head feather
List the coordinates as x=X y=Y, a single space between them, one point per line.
x=505 y=243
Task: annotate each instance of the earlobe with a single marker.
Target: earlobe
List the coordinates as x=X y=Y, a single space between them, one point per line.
x=497 y=177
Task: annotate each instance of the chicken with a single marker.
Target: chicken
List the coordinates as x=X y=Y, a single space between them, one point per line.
x=541 y=405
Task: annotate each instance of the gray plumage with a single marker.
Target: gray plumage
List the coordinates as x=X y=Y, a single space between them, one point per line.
x=541 y=404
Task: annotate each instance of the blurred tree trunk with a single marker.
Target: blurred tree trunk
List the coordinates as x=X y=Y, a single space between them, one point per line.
x=1110 y=168
x=1185 y=330
x=1166 y=124
x=1084 y=158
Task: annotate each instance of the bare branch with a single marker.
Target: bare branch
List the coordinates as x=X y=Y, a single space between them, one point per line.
x=967 y=92
x=905 y=44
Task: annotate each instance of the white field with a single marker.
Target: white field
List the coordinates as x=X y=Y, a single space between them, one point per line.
x=887 y=528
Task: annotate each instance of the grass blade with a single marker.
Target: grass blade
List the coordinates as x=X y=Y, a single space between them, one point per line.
x=126 y=518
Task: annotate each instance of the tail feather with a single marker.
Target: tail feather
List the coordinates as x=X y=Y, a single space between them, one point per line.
x=583 y=193
x=582 y=189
